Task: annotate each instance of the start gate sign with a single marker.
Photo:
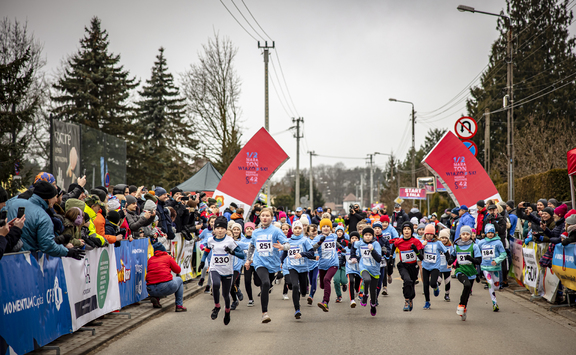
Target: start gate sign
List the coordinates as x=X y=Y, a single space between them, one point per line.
x=466 y=127
x=412 y=193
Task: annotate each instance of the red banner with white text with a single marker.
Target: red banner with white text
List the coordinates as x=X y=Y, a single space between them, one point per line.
x=253 y=166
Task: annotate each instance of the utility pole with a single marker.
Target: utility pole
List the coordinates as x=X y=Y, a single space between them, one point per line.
x=311 y=184
x=361 y=190
x=266 y=47
x=298 y=136
x=371 y=180
x=413 y=151
x=487 y=141
x=509 y=83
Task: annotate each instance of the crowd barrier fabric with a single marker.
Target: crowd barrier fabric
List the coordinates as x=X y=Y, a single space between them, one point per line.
x=184 y=259
x=550 y=285
x=131 y=266
x=34 y=301
x=92 y=285
x=517 y=259
x=563 y=265
x=531 y=270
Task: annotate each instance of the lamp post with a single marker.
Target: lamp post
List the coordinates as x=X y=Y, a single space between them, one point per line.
x=413 y=141
x=509 y=98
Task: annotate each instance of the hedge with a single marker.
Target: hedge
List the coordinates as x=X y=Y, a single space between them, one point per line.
x=551 y=184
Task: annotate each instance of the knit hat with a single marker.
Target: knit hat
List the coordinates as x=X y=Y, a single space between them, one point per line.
x=132 y=189
x=149 y=206
x=158 y=247
x=510 y=203
x=466 y=229
x=45 y=190
x=175 y=190
x=444 y=233
x=355 y=234
x=571 y=220
x=130 y=200
x=377 y=224
x=148 y=196
x=113 y=204
x=119 y=189
x=43 y=176
x=249 y=224
x=414 y=220
x=481 y=203
x=101 y=194
x=554 y=202
x=280 y=214
x=297 y=224
x=502 y=204
x=233 y=204
x=236 y=225
x=230 y=224
x=430 y=229
x=407 y=224
x=544 y=201
x=325 y=222
x=455 y=210
x=74 y=202
x=385 y=218
x=114 y=217
x=549 y=210
x=421 y=226
x=159 y=191
x=368 y=230
x=489 y=228
x=561 y=210
x=221 y=222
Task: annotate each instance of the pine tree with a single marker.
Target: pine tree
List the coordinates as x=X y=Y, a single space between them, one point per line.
x=162 y=131
x=544 y=66
x=94 y=88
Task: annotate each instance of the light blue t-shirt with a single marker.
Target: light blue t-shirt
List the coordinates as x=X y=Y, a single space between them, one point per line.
x=328 y=252
x=265 y=255
x=298 y=245
x=444 y=262
x=313 y=264
x=432 y=253
x=351 y=268
x=365 y=259
x=238 y=263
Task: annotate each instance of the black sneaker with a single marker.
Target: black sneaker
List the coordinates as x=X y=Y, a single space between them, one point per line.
x=201 y=282
x=240 y=295
x=344 y=288
x=207 y=289
x=226 y=318
x=234 y=305
x=215 y=313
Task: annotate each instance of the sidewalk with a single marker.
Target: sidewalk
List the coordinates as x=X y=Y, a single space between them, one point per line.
x=114 y=325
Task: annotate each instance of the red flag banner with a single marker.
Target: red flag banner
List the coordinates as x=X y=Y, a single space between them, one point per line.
x=460 y=172
x=260 y=158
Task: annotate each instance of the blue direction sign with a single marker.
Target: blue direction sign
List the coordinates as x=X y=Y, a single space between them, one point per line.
x=107 y=180
x=471 y=147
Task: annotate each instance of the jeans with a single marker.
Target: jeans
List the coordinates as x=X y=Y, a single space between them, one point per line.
x=176 y=287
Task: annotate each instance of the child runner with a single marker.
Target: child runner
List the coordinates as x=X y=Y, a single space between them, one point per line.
x=369 y=253
x=410 y=250
x=493 y=253
x=313 y=264
x=352 y=270
x=340 y=279
x=249 y=228
x=444 y=266
x=388 y=232
x=285 y=273
x=328 y=262
x=467 y=255
x=221 y=266
x=238 y=263
x=385 y=244
x=204 y=236
x=433 y=250
x=263 y=256
x=300 y=247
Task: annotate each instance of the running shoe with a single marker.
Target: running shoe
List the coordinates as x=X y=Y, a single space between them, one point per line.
x=416 y=282
x=389 y=279
x=207 y=289
x=310 y=300
x=464 y=315
x=385 y=291
x=436 y=291
x=155 y=302
x=447 y=297
x=323 y=306
x=461 y=311
x=338 y=299
x=285 y=296
x=180 y=309
x=201 y=282
x=240 y=295
x=250 y=303
x=227 y=317
x=266 y=318
x=426 y=306
x=406 y=306
x=495 y=307
x=215 y=313
x=372 y=309
x=364 y=301
x=234 y=305
x=352 y=304
x=411 y=305
x=298 y=314
x=344 y=288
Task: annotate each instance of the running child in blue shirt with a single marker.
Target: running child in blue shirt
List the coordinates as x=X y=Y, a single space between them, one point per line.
x=445 y=268
x=433 y=250
x=352 y=270
x=493 y=253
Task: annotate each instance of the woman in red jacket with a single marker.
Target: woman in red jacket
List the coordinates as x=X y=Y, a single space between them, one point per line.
x=160 y=281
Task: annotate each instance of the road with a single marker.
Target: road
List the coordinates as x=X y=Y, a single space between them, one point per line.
x=520 y=327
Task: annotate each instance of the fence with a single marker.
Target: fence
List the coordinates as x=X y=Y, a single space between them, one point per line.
x=64 y=293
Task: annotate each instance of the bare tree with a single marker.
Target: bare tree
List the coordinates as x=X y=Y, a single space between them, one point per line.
x=212 y=91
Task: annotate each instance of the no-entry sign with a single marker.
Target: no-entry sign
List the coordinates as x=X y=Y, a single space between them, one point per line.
x=465 y=127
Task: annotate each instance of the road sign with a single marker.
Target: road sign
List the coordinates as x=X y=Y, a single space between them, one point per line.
x=398 y=200
x=465 y=127
x=472 y=147
x=107 y=180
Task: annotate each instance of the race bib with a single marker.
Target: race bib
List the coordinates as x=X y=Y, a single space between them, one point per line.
x=443 y=262
x=293 y=251
x=430 y=257
x=264 y=246
x=221 y=259
x=461 y=256
x=408 y=256
x=395 y=224
x=366 y=253
x=488 y=252
x=328 y=249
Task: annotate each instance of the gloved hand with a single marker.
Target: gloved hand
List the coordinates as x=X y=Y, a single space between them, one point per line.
x=279 y=275
x=352 y=261
x=228 y=250
x=201 y=266
x=469 y=258
x=76 y=253
x=322 y=239
x=414 y=247
x=565 y=241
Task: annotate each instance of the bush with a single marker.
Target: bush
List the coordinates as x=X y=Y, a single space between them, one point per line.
x=554 y=183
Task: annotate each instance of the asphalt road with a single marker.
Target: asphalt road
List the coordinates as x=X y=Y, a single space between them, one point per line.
x=520 y=327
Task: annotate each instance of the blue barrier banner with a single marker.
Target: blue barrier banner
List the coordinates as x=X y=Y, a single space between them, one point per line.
x=132 y=263
x=564 y=264
x=35 y=309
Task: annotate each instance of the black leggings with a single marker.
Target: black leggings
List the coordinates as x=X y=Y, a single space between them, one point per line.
x=370 y=283
x=234 y=288
x=382 y=281
x=467 y=288
x=266 y=278
x=354 y=281
x=429 y=279
x=409 y=274
x=446 y=276
x=226 y=285
x=298 y=282
x=248 y=281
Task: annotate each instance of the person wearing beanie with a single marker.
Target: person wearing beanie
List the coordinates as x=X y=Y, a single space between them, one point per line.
x=388 y=232
x=482 y=211
x=493 y=254
x=368 y=253
x=541 y=204
x=203 y=239
x=264 y=256
x=385 y=245
x=133 y=217
x=410 y=249
x=512 y=216
x=552 y=228
x=38 y=228
x=328 y=263
x=385 y=218
x=414 y=221
x=433 y=251
x=445 y=270
x=112 y=228
x=466 y=255
x=553 y=203
x=113 y=204
x=420 y=231
x=569 y=235
x=165 y=220
x=237 y=263
x=120 y=189
x=249 y=228
x=101 y=194
x=352 y=269
x=223 y=248
x=97 y=227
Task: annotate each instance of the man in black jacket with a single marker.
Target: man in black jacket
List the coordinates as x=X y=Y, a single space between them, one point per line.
x=399 y=217
x=354 y=217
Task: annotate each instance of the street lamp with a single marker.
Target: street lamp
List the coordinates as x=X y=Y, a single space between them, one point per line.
x=413 y=142
x=509 y=86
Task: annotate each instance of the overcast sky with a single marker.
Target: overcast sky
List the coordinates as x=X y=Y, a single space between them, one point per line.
x=342 y=60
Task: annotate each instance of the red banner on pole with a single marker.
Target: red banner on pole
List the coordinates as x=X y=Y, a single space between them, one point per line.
x=412 y=193
x=252 y=167
x=460 y=172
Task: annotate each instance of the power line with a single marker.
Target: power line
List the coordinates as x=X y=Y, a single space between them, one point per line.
x=281 y=90
x=335 y=157
x=278 y=96
x=285 y=83
x=245 y=30
x=245 y=19
x=250 y=12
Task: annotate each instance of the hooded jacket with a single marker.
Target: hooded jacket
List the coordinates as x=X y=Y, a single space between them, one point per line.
x=160 y=267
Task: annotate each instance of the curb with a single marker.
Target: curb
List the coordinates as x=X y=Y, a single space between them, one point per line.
x=567 y=312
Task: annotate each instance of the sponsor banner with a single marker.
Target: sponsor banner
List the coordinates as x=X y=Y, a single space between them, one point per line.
x=459 y=172
x=411 y=193
x=65 y=152
x=93 y=285
x=550 y=284
x=131 y=266
x=563 y=265
x=531 y=269
x=34 y=303
x=184 y=260
x=517 y=259
x=251 y=168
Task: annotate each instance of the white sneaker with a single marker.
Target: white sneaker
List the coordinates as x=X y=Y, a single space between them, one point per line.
x=352 y=304
x=285 y=296
x=250 y=303
x=389 y=279
x=266 y=318
x=460 y=310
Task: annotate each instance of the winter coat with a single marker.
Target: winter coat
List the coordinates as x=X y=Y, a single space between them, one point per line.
x=10 y=240
x=238 y=219
x=135 y=222
x=227 y=213
x=399 y=218
x=467 y=220
x=71 y=234
x=499 y=222
x=480 y=220
x=165 y=221
x=414 y=212
x=353 y=220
